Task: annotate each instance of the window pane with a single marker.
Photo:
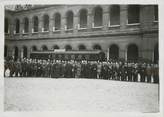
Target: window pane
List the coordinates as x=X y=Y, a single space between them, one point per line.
x=115 y=15
x=133 y=14
x=35 y=24
x=17 y=26
x=57 y=22
x=98 y=17
x=69 y=20
x=83 y=19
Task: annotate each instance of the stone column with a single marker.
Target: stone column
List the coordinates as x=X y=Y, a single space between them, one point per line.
x=28 y=52
x=21 y=27
x=51 y=25
x=10 y=51
x=75 y=23
x=146 y=16
x=123 y=16
x=30 y=26
x=63 y=24
x=40 y=23
x=20 y=52
x=89 y=19
x=105 y=17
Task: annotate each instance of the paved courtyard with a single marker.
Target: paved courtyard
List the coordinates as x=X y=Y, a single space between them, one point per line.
x=45 y=94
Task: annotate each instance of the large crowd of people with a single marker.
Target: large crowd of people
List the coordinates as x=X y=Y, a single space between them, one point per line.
x=109 y=70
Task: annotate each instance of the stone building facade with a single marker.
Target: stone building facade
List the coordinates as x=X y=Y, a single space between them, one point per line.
x=120 y=31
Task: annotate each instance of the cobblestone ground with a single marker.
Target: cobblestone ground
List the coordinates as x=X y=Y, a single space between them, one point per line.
x=45 y=94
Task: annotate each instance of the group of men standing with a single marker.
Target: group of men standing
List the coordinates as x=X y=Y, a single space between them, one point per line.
x=109 y=70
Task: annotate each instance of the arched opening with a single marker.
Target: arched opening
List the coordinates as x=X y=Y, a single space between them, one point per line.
x=102 y=56
x=98 y=16
x=68 y=47
x=96 y=47
x=24 y=52
x=69 y=20
x=26 y=25
x=15 y=53
x=6 y=25
x=34 y=48
x=133 y=14
x=35 y=24
x=115 y=15
x=17 y=26
x=82 y=47
x=83 y=18
x=55 y=47
x=44 y=48
x=57 y=21
x=132 y=52
x=5 y=52
x=114 y=51
x=46 y=22
x=156 y=54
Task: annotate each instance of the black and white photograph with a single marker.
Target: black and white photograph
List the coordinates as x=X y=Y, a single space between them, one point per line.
x=81 y=57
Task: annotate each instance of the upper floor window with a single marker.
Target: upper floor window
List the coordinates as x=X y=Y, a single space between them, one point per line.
x=57 y=21
x=6 y=25
x=26 y=25
x=45 y=23
x=83 y=18
x=133 y=14
x=17 y=26
x=156 y=12
x=98 y=17
x=115 y=15
x=69 y=20
x=35 y=24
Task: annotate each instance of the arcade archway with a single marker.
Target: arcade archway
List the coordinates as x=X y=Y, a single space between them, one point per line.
x=114 y=52
x=132 y=52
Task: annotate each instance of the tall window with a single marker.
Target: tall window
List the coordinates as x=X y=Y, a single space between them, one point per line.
x=83 y=18
x=156 y=12
x=115 y=15
x=57 y=21
x=17 y=26
x=6 y=25
x=26 y=25
x=35 y=24
x=98 y=16
x=133 y=14
x=46 y=22
x=69 y=20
